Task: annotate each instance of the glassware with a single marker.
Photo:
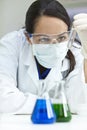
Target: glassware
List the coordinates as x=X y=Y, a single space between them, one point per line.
x=72 y=37
x=43 y=112
x=60 y=104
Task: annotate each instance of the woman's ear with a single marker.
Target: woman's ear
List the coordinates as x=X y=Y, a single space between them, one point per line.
x=28 y=38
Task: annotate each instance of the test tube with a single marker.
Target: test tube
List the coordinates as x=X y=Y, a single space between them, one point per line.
x=71 y=38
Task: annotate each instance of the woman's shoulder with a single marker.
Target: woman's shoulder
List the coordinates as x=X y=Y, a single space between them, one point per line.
x=76 y=48
x=14 y=35
x=15 y=38
x=14 y=41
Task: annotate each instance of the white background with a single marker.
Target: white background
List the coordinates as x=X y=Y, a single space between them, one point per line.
x=12 y=14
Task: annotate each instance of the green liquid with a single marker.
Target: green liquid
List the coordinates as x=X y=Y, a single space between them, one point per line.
x=59 y=111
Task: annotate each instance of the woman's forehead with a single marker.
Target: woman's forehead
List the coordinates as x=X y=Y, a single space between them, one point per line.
x=50 y=25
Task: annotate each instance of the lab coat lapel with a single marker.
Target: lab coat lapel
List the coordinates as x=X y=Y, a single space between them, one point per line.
x=30 y=64
x=53 y=77
x=55 y=74
x=32 y=71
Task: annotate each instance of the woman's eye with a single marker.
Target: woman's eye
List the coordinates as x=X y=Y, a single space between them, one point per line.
x=61 y=39
x=43 y=40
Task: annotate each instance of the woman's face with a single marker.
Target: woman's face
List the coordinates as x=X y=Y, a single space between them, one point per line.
x=46 y=31
x=50 y=25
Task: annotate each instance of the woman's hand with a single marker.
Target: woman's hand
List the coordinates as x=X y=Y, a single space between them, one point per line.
x=80 y=25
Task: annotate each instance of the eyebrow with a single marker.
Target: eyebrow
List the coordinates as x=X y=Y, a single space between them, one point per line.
x=47 y=35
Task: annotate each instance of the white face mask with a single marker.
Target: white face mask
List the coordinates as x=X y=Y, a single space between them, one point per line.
x=48 y=55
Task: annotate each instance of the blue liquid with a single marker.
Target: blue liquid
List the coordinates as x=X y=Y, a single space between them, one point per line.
x=43 y=112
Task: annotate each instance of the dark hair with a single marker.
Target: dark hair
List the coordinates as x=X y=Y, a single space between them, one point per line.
x=50 y=8
x=45 y=7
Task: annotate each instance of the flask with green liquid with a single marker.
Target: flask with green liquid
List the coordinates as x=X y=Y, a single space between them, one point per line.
x=60 y=104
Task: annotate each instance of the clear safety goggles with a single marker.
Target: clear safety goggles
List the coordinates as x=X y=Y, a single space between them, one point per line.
x=49 y=39
x=38 y=38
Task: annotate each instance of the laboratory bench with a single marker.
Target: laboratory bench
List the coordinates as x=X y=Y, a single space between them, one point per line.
x=23 y=122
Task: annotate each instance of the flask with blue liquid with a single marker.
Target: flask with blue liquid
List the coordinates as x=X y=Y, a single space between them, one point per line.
x=43 y=112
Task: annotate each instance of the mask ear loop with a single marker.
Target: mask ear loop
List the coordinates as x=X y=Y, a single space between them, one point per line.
x=71 y=38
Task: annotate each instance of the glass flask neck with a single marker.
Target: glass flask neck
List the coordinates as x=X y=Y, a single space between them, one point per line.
x=60 y=104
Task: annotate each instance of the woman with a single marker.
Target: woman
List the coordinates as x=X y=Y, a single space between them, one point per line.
x=40 y=51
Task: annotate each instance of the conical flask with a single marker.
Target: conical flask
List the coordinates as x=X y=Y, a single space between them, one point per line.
x=43 y=112
x=60 y=104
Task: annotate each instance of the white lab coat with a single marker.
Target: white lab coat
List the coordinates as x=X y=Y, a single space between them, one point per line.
x=19 y=77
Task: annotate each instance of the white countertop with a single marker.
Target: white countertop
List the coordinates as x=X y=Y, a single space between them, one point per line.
x=23 y=122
